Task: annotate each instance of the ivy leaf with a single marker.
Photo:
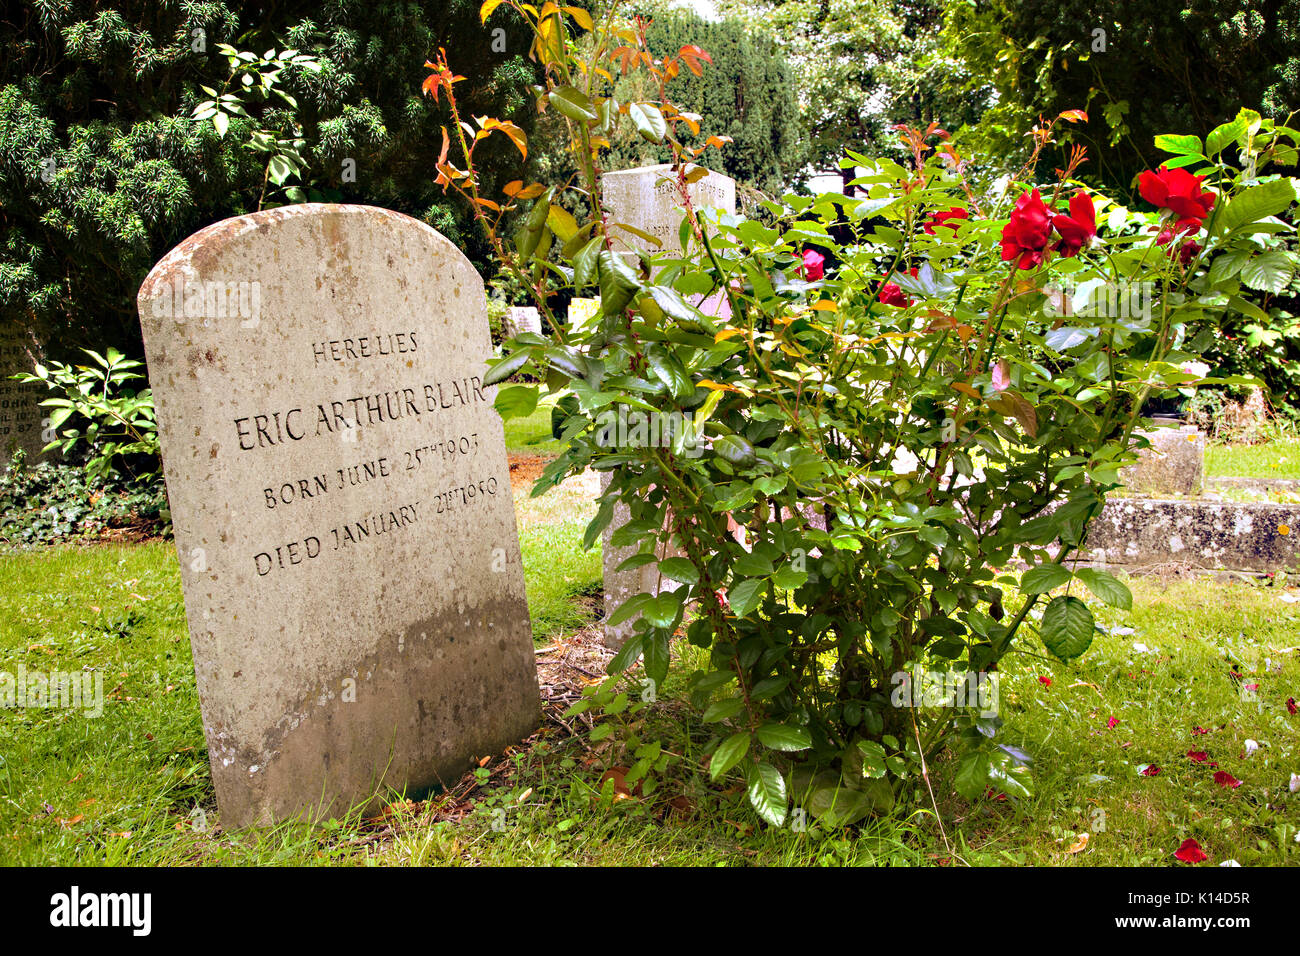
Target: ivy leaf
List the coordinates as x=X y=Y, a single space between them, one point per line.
x=1107 y=587
x=1067 y=627
x=767 y=792
x=873 y=759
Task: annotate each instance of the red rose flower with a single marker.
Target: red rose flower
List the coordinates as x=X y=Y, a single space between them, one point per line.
x=1079 y=227
x=813 y=266
x=1179 y=191
x=1025 y=236
x=945 y=219
x=891 y=294
x=1191 y=852
x=1225 y=779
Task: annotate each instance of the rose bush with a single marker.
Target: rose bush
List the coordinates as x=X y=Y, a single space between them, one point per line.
x=892 y=437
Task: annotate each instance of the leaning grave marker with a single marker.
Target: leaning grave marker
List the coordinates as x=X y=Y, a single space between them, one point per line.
x=342 y=509
x=648 y=199
x=21 y=415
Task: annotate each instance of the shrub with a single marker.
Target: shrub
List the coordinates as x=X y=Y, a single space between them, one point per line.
x=858 y=458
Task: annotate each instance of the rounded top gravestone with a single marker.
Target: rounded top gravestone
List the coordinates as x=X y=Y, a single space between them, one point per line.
x=341 y=501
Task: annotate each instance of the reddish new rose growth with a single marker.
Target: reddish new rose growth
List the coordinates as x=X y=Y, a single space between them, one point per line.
x=1191 y=852
x=1180 y=192
x=442 y=77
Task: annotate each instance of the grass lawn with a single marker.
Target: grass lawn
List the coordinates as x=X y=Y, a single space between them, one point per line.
x=532 y=435
x=1279 y=458
x=124 y=787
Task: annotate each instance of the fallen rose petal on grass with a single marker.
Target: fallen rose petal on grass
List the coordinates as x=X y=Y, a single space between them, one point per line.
x=1225 y=779
x=1191 y=852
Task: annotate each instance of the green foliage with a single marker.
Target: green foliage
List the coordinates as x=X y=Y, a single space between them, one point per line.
x=863 y=67
x=886 y=436
x=114 y=422
x=747 y=93
x=1139 y=68
x=103 y=167
x=53 y=502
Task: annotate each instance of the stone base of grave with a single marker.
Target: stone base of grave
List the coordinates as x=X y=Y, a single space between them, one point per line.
x=1147 y=533
x=1173 y=465
x=1254 y=485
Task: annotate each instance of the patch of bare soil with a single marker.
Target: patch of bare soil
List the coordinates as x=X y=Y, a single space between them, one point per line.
x=525 y=469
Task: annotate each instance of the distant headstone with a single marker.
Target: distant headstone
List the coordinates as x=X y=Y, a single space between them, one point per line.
x=21 y=414
x=582 y=311
x=341 y=502
x=1173 y=465
x=523 y=318
x=649 y=199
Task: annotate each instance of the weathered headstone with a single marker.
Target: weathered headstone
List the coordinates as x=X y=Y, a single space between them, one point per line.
x=582 y=310
x=523 y=318
x=341 y=501
x=1173 y=465
x=647 y=198
x=21 y=414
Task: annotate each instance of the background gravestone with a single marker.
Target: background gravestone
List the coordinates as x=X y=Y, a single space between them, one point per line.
x=648 y=198
x=21 y=413
x=1173 y=465
x=523 y=318
x=341 y=501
